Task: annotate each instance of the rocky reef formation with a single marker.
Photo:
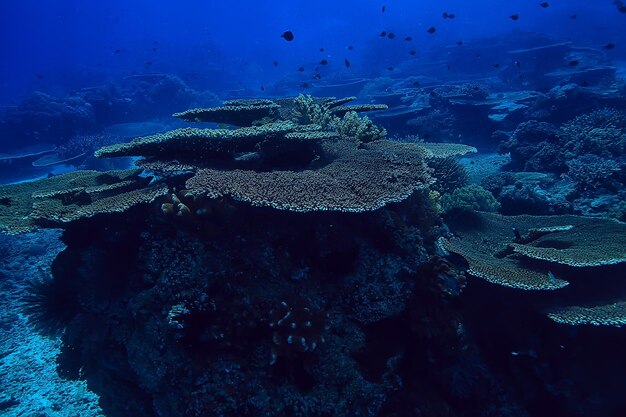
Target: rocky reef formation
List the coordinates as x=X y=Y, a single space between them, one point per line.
x=280 y=268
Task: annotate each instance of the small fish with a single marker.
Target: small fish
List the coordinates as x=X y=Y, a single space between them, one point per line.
x=431 y=30
x=288 y=36
x=544 y=4
x=459 y=43
x=573 y=63
x=304 y=85
x=448 y=67
x=350 y=47
x=518 y=64
x=622 y=9
x=262 y=88
x=148 y=63
x=389 y=68
x=447 y=15
x=477 y=56
x=40 y=76
x=275 y=63
x=301 y=69
x=154 y=49
x=391 y=35
x=573 y=17
x=415 y=83
x=321 y=49
x=155 y=42
x=383 y=8
x=551 y=277
x=117 y=51
x=609 y=46
x=514 y=17
x=412 y=52
x=383 y=34
x=346 y=62
x=408 y=39
x=496 y=65
x=323 y=62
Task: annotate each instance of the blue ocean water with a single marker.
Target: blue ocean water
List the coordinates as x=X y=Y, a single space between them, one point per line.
x=195 y=222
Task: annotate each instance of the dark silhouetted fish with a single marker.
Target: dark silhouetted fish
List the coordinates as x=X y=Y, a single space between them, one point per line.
x=117 y=51
x=383 y=8
x=304 y=85
x=323 y=62
x=262 y=88
x=391 y=35
x=447 y=15
x=573 y=17
x=275 y=63
x=346 y=62
x=518 y=64
x=412 y=52
x=350 y=47
x=609 y=46
x=573 y=63
x=154 y=49
x=514 y=17
x=301 y=69
x=496 y=65
x=321 y=49
x=415 y=83
x=288 y=36
x=431 y=30
x=459 y=43
x=408 y=39
x=383 y=34
x=389 y=68
x=544 y=4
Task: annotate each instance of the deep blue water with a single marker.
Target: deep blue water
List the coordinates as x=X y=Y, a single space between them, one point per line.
x=64 y=45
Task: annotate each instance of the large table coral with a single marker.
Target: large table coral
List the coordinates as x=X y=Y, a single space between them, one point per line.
x=538 y=252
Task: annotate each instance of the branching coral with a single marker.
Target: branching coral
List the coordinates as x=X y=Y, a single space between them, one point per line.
x=601 y=132
x=591 y=171
x=362 y=128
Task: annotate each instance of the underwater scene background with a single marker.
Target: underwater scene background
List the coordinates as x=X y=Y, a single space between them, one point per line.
x=327 y=209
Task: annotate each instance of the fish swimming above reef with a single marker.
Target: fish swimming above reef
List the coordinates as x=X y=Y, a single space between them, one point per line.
x=288 y=36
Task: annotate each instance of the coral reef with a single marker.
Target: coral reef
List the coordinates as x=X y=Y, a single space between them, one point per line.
x=613 y=314
x=469 y=197
x=498 y=248
x=50 y=202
